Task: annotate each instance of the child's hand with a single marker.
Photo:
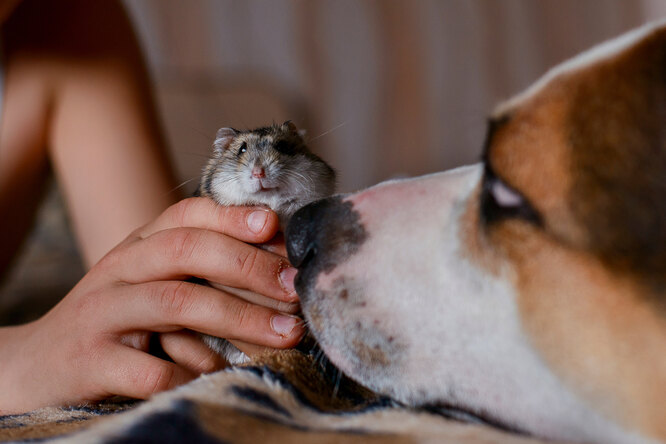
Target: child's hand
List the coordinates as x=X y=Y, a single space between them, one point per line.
x=93 y=343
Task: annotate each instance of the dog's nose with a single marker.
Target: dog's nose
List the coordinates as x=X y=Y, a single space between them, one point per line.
x=301 y=233
x=322 y=234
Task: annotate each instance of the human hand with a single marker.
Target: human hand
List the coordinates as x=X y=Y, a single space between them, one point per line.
x=94 y=343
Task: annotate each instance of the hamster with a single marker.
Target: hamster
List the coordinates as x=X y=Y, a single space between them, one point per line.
x=269 y=166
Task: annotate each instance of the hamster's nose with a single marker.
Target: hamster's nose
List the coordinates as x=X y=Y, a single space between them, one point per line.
x=258 y=172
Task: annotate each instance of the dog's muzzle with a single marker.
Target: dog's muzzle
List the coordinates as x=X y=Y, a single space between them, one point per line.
x=320 y=236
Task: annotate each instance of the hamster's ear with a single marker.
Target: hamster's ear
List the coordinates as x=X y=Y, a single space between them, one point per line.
x=290 y=126
x=223 y=138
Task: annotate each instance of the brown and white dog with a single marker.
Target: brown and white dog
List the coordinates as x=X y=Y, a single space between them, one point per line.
x=530 y=288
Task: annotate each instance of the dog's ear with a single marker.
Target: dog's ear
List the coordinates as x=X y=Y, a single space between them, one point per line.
x=616 y=126
x=223 y=138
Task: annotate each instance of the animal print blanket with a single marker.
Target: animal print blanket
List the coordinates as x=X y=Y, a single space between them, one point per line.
x=284 y=398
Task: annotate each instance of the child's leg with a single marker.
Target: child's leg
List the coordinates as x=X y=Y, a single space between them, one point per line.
x=23 y=133
x=77 y=93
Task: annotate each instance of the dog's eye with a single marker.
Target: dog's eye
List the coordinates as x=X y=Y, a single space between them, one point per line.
x=505 y=196
x=499 y=201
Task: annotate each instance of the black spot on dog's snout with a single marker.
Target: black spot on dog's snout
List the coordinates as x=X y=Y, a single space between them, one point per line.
x=322 y=235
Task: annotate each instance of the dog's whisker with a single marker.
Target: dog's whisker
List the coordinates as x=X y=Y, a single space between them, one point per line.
x=338 y=380
x=319 y=357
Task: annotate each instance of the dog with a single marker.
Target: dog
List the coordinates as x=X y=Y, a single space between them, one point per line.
x=528 y=289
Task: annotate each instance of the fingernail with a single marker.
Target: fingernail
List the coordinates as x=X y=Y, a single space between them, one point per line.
x=283 y=324
x=287 y=276
x=256 y=220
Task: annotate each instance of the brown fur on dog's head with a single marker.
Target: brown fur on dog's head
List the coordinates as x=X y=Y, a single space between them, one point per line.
x=589 y=154
x=600 y=133
x=617 y=133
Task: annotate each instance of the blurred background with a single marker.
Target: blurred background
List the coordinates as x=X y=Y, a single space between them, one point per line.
x=384 y=88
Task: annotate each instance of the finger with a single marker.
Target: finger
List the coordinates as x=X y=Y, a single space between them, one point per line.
x=184 y=252
x=130 y=372
x=276 y=245
x=174 y=305
x=139 y=340
x=249 y=224
x=258 y=299
x=188 y=350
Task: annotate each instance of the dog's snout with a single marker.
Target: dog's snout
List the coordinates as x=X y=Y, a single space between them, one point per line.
x=322 y=235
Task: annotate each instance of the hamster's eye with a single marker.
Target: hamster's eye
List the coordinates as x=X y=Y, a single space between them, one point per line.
x=284 y=147
x=242 y=149
x=500 y=201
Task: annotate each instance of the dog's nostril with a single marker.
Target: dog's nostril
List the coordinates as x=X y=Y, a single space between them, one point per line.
x=310 y=254
x=300 y=254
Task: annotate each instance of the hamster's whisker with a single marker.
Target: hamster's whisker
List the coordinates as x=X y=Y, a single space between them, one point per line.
x=308 y=180
x=328 y=132
x=180 y=186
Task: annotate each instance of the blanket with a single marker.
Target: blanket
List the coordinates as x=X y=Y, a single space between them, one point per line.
x=285 y=397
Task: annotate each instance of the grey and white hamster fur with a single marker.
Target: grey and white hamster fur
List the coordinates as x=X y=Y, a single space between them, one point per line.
x=269 y=166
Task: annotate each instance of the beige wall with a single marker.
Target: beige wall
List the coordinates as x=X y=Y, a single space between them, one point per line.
x=385 y=87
